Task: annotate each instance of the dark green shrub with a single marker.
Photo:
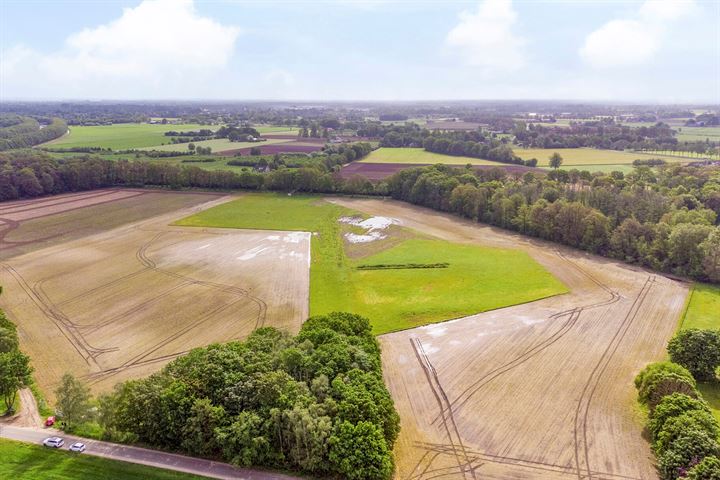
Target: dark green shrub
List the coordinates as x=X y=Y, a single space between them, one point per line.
x=708 y=469
x=660 y=379
x=673 y=406
x=697 y=350
x=685 y=452
x=676 y=426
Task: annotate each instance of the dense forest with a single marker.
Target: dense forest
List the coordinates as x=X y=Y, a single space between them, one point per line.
x=665 y=218
x=314 y=403
x=22 y=132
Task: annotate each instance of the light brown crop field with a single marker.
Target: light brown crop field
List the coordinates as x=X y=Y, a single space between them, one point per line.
x=28 y=225
x=542 y=390
x=121 y=303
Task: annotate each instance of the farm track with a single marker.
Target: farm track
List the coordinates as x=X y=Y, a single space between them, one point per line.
x=536 y=391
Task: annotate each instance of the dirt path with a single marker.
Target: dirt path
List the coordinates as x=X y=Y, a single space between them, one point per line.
x=542 y=390
x=28 y=415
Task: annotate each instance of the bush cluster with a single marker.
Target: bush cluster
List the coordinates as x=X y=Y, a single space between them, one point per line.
x=314 y=403
x=683 y=429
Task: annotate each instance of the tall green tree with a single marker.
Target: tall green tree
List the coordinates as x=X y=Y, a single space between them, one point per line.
x=15 y=373
x=697 y=350
x=73 y=401
x=555 y=160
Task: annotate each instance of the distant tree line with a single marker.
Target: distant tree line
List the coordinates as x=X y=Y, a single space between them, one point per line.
x=23 y=132
x=664 y=218
x=314 y=403
x=604 y=136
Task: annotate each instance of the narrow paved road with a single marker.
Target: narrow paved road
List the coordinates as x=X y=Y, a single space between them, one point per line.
x=144 y=456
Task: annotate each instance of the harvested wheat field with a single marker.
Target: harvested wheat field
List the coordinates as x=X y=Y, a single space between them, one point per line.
x=122 y=303
x=541 y=390
x=28 y=225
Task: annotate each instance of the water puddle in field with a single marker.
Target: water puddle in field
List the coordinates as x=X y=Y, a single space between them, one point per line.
x=373 y=227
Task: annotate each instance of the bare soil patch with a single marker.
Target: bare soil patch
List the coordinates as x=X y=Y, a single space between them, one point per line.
x=122 y=303
x=541 y=390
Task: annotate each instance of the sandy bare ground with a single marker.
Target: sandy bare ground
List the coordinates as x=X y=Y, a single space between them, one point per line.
x=122 y=303
x=542 y=390
x=27 y=415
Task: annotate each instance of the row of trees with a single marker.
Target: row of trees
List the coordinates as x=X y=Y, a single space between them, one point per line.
x=314 y=403
x=15 y=369
x=664 y=218
x=29 y=132
x=683 y=430
x=669 y=226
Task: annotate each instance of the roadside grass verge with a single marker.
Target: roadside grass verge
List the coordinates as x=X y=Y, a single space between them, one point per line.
x=475 y=280
x=23 y=461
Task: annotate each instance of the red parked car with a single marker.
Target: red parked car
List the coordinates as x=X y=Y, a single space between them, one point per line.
x=50 y=422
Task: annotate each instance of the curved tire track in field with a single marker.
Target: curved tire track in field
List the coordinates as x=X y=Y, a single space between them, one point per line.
x=151 y=265
x=465 y=464
x=573 y=316
x=66 y=328
x=583 y=406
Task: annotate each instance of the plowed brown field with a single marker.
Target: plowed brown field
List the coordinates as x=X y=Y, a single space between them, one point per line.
x=121 y=303
x=536 y=391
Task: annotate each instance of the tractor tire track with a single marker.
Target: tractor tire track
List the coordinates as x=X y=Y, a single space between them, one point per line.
x=462 y=458
x=583 y=405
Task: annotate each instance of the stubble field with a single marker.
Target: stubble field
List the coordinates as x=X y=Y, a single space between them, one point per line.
x=542 y=390
x=121 y=303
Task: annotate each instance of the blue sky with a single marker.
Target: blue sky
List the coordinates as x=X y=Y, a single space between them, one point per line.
x=647 y=50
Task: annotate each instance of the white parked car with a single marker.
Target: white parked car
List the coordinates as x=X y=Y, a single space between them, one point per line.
x=54 y=442
x=77 y=447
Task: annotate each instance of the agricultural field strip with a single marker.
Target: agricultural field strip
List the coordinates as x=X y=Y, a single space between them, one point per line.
x=583 y=436
x=63 y=205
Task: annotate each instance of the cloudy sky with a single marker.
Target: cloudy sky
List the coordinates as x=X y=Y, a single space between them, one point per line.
x=651 y=50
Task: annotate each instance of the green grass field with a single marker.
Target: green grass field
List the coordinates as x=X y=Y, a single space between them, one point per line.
x=477 y=279
x=698 y=134
x=702 y=312
x=23 y=461
x=589 y=157
x=703 y=307
x=217 y=145
x=419 y=155
x=124 y=136
x=121 y=136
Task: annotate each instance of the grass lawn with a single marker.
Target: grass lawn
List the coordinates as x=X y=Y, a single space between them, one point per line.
x=121 y=136
x=698 y=134
x=587 y=157
x=477 y=278
x=420 y=155
x=23 y=461
x=702 y=312
x=703 y=308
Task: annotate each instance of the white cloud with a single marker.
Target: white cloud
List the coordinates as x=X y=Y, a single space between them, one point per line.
x=485 y=37
x=157 y=41
x=633 y=41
